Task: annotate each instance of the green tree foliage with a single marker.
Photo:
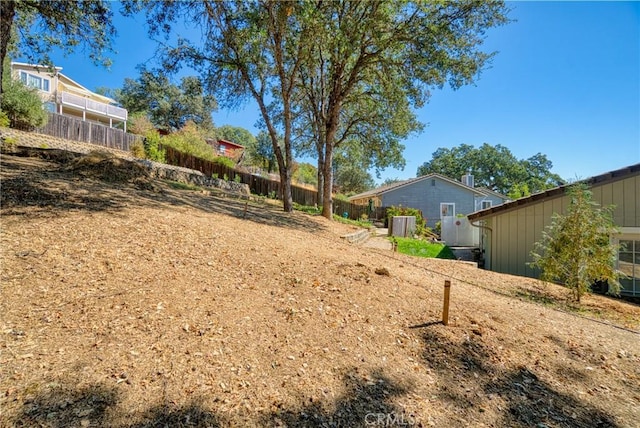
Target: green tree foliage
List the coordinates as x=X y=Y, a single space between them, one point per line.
x=576 y=249
x=243 y=50
x=389 y=181
x=152 y=146
x=168 y=106
x=21 y=104
x=370 y=62
x=33 y=27
x=495 y=168
x=351 y=173
x=235 y=134
x=372 y=59
x=190 y=139
x=305 y=173
x=260 y=153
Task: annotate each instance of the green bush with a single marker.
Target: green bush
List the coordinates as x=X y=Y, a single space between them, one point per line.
x=224 y=161
x=191 y=141
x=22 y=105
x=4 y=119
x=152 y=148
x=137 y=150
x=421 y=224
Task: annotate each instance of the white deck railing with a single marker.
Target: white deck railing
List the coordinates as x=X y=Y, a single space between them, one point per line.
x=108 y=110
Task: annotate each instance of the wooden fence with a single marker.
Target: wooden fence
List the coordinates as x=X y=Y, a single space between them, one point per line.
x=264 y=186
x=75 y=129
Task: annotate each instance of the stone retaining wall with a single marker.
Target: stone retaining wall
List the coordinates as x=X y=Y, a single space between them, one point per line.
x=156 y=170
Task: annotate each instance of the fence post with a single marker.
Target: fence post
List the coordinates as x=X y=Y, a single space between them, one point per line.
x=445 y=309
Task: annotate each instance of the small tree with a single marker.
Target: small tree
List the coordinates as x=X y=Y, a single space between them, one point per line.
x=21 y=104
x=576 y=249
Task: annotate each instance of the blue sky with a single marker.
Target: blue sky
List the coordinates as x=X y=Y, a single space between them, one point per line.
x=565 y=82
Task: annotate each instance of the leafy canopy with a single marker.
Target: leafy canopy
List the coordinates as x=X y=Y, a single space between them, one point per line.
x=576 y=249
x=235 y=134
x=337 y=71
x=495 y=168
x=31 y=28
x=21 y=104
x=371 y=62
x=168 y=106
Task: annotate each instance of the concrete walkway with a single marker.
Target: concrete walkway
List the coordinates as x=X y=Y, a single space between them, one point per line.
x=379 y=240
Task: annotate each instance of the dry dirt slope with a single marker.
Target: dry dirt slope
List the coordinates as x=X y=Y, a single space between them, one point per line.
x=130 y=304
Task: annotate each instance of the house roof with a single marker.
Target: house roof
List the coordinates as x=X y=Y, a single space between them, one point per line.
x=231 y=143
x=555 y=192
x=70 y=84
x=384 y=189
x=227 y=143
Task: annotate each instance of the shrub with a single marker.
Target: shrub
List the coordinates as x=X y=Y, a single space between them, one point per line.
x=190 y=140
x=421 y=224
x=137 y=150
x=152 y=148
x=4 y=119
x=139 y=124
x=22 y=105
x=221 y=160
x=575 y=248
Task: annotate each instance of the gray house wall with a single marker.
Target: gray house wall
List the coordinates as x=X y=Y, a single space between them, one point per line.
x=427 y=194
x=495 y=201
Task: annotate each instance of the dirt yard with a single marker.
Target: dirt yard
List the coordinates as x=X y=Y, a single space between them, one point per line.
x=128 y=303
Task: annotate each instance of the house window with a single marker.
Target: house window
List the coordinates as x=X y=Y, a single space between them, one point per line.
x=629 y=266
x=447 y=210
x=486 y=204
x=34 y=81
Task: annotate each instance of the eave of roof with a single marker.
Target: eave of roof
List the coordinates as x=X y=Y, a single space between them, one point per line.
x=36 y=66
x=107 y=100
x=555 y=192
x=384 y=189
x=231 y=143
x=63 y=76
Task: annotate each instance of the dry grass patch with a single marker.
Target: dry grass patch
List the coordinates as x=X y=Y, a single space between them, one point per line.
x=123 y=307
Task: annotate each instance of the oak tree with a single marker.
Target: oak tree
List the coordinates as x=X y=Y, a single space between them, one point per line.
x=495 y=168
x=168 y=106
x=374 y=60
x=33 y=27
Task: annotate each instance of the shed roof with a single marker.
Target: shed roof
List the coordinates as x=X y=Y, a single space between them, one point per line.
x=607 y=177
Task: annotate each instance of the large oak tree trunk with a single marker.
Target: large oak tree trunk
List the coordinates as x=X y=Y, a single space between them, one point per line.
x=7 y=13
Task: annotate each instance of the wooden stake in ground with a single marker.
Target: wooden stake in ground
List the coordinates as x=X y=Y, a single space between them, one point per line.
x=445 y=309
